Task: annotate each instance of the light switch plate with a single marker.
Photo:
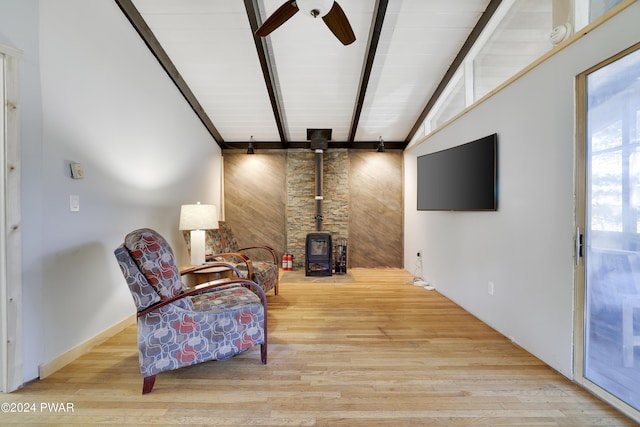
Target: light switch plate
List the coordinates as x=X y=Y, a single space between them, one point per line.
x=74 y=203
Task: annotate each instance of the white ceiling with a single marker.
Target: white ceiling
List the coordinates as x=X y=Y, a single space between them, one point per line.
x=316 y=79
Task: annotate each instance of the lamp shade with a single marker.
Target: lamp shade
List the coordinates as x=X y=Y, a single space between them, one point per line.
x=198 y=217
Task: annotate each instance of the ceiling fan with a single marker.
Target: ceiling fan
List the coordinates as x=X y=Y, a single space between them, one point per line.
x=329 y=10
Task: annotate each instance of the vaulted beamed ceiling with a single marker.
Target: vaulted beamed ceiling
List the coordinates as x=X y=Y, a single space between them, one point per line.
x=301 y=76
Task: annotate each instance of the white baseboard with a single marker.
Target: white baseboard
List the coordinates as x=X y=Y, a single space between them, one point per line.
x=64 y=359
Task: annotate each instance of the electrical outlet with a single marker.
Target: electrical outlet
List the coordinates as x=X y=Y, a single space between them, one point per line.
x=490 y=288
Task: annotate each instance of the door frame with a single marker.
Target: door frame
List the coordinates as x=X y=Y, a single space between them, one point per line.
x=581 y=237
x=11 y=359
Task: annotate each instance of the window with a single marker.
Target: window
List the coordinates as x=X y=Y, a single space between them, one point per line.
x=518 y=34
x=521 y=37
x=597 y=8
x=451 y=103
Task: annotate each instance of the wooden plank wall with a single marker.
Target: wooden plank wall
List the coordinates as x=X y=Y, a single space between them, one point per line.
x=255 y=198
x=376 y=209
x=257 y=201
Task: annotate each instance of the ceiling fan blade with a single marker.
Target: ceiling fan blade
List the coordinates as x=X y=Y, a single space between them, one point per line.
x=339 y=25
x=277 y=18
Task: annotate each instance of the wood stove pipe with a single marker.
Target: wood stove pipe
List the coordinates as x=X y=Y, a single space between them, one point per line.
x=319 y=197
x=319 y=142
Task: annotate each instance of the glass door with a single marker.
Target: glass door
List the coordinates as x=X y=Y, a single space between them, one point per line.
x=610 y=298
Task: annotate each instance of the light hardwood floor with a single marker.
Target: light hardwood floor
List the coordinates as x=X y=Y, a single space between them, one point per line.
x=376 y=351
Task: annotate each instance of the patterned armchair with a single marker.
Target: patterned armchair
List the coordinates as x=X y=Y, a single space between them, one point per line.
x=179 y=327
x=222 y=246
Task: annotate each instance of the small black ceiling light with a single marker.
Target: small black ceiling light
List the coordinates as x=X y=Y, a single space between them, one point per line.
x=250 y=148
x=380 y=146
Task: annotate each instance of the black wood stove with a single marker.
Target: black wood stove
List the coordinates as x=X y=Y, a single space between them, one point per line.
x=318 y=258
x=318 y=248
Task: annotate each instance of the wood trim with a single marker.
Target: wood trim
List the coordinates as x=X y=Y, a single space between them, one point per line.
x=374 y=39
x=356 y=145
x=11 y=51
x=580 y=204
x=11 y=288
x=69 y=356
x=268 y=67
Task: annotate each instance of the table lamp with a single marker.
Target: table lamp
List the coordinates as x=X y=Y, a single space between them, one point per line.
x=198 y=218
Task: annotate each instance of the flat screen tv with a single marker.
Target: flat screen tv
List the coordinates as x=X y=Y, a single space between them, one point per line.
x=462 y=178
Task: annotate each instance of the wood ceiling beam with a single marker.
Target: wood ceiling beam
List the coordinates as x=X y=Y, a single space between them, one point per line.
x=374 y=38
x=273 y=145
x=466 y=47
x=268 y=67
x=138 y=22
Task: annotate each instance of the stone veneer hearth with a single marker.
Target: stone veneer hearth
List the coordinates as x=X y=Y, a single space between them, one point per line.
x=301 y=206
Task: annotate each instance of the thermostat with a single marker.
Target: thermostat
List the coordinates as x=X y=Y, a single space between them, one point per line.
x=76 y=170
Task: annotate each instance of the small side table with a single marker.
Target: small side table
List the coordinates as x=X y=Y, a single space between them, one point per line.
x=204 y=275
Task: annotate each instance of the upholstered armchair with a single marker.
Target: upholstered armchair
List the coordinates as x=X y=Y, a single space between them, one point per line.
x=222 y=246
x=179 y=327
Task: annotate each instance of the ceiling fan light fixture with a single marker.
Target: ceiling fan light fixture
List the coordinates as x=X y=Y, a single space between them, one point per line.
x=329 y=10
x=315 y=8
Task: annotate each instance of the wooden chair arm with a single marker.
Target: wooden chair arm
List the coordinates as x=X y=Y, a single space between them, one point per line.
x=266 y=248
x=245 y=260
x=205 y=287
x=208 y=265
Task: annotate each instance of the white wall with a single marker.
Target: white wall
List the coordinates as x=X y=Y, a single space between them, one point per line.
x=526 y=248
x=93 y=93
